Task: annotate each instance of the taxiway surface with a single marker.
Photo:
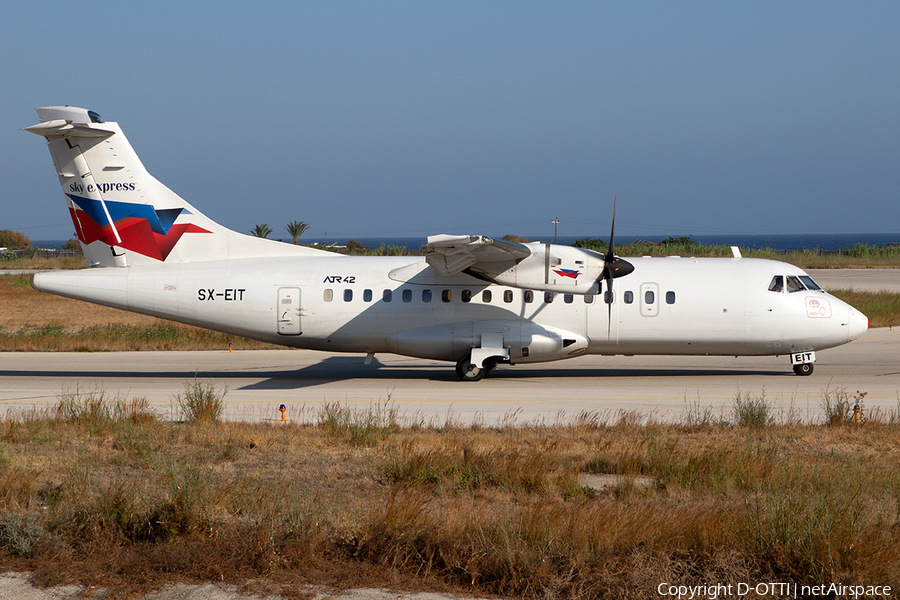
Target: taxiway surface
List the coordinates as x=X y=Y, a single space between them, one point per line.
x=258 y=382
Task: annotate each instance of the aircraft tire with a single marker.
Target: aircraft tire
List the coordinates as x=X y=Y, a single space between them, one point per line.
x=466 y=371
x=804 y=369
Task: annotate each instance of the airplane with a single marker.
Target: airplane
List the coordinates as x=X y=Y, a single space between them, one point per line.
x=471 y=300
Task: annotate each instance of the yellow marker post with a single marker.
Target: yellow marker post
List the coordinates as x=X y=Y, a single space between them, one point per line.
x=230 y=346
x=283 y=408
x=856 y=412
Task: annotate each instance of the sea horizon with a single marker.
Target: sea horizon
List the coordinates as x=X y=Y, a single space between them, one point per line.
x=803 y=241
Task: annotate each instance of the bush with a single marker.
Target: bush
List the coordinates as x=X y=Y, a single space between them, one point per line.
x=20 y=532
x=749 y=411
x=201 y=403
x=13 y=239
x=838 y=405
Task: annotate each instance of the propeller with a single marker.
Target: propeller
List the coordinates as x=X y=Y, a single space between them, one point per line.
x=613 y=268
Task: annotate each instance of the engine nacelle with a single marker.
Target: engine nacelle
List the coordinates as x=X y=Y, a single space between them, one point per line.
x=549 y=268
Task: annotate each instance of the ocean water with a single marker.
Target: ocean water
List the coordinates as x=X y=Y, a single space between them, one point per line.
x=804 y=241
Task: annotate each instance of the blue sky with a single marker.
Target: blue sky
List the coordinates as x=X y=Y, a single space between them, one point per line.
x=404 y=119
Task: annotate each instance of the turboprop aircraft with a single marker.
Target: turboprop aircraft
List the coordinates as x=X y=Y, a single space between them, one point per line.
x=472 y=300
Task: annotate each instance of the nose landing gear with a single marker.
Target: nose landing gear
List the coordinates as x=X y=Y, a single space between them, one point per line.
x=803 y=369
x=803 y=362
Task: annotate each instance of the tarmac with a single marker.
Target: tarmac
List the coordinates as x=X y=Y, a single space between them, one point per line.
x=18 y=586
x=257 y=382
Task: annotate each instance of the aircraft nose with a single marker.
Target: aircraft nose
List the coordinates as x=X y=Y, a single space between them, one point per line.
x=859 y=323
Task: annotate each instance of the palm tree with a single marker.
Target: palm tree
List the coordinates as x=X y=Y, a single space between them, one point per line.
x=261 y=230
x=296 y=229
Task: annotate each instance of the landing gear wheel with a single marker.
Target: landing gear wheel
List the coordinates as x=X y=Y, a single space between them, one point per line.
x=490 y=364
x=804 y=369
x=466 y=371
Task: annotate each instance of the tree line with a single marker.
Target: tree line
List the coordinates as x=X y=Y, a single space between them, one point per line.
x=295 y=228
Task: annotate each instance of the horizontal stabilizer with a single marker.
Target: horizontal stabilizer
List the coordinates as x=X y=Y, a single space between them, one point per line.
x=62 y=128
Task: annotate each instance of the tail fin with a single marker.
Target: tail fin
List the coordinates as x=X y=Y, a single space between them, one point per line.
x=122 y=215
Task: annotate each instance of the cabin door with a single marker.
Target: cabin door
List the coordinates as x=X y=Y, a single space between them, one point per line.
x=288 y=311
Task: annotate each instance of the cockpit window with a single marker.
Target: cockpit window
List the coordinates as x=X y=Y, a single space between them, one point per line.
x=810 y=284
x=794 y=284
x=777 y=284
x=95 y=118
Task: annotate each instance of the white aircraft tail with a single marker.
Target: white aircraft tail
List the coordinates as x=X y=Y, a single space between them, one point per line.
x=123 y=216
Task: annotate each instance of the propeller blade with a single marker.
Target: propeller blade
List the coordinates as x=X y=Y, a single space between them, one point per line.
x=613 y=267
x=612 y=233
x=607 y=271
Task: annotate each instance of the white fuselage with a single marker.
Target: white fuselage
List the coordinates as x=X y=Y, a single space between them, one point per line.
x=697 y=306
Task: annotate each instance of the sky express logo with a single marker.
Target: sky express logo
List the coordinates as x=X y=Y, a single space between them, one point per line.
x=567 y=273
x=77 y=188
x=141 y=227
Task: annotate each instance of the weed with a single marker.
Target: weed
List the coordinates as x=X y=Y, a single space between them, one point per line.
x=751 y=411
x=840 y=407
x=364 y=427
x=90 y=408
x=201 y=403
x=697 y=416
x=836 y=406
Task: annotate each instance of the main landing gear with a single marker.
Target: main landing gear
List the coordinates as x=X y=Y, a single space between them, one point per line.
x=466 y=370
x=803 y=369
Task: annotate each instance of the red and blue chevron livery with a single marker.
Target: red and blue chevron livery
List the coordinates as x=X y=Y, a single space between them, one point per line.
x=142 y=228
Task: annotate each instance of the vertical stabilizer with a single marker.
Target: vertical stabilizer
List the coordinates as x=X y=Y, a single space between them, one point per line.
x=122 y=215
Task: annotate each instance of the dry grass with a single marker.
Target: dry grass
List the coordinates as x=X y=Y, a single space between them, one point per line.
x=101 y=491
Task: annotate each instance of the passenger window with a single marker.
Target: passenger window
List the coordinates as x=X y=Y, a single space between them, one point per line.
x=670 y=297
x=548 y=297
x=629 y=297
x=794 y=285
x=588 y=298
x=486 y=296
x=528 y=296
x=507 y=296
x=446 y=295
x=608 y=297
x=810 y=284
x=466 y=295
x=649 y=297
x=328 y=296
x=348 y=295
x=426 y=295
x=367 y=295
x=407 y=295
x=777 y=284
x=568 y=298
x=387 y=295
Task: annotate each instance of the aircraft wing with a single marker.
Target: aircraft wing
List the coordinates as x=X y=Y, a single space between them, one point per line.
x=451 y=254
